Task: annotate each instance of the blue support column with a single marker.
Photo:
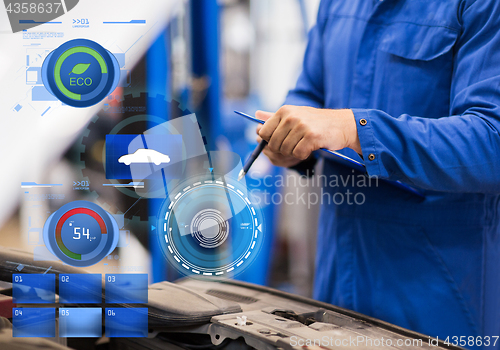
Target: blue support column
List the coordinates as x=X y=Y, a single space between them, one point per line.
x=158 y=83
x=205 y=50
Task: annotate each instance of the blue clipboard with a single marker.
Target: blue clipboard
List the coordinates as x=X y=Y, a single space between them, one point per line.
x=348 y=161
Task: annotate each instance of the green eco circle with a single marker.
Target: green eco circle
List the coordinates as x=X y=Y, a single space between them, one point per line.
x=64 y=56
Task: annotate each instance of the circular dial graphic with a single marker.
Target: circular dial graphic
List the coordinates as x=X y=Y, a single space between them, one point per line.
x=80 y=73
x=210 y=228
x=80 y=233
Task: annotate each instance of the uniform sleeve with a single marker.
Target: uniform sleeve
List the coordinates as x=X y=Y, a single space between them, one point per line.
x=309 y=88
x=458 y=153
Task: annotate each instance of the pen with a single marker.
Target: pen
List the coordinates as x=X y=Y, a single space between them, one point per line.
x=248 y=116
x=354 y=163
x=257 y=151
x=351 y=162
x=255 y=154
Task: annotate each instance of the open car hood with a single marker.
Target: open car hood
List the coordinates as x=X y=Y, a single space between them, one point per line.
x=197 y=314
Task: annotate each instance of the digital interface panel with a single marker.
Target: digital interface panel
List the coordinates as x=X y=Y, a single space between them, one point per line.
x=80 y=322
x=127 y=288
x=33 y=289
x=73 y=88
x=76 y=320
x=34 y=322
x=124 y=322
x=80 y=288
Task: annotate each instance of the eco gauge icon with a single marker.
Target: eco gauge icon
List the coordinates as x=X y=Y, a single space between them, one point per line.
x=80 y=73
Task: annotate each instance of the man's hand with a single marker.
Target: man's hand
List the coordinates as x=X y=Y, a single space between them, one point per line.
x=276 y=158
x=294 y=132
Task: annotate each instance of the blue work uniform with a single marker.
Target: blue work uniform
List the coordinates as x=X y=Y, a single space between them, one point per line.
x=423 y=80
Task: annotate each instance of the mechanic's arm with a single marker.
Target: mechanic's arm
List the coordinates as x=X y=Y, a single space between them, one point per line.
x=307 y=92
x=458 y=153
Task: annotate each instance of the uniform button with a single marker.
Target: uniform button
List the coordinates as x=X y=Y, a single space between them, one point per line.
x=371 y=156
x=363 y=122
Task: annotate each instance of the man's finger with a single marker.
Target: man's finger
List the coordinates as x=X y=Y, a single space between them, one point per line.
x=263 y=115
x=303 y=149
x=291 y=141
x=279 y=136
x=271 y=154
x=270 y=125
x=273 y=157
